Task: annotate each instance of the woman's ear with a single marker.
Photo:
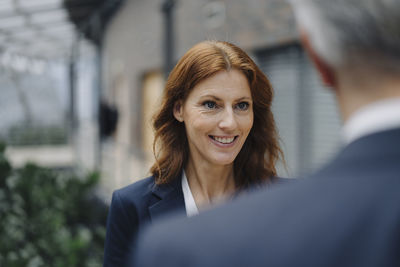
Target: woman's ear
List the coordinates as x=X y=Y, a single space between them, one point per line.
x=178 y=110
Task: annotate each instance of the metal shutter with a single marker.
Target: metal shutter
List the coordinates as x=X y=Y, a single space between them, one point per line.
x=305 y=111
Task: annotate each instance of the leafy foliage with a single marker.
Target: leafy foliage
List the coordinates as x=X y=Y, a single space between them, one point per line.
x=49 y=218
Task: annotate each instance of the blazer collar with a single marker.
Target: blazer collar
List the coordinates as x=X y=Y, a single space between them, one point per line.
x=376 y=145
x=169 y=199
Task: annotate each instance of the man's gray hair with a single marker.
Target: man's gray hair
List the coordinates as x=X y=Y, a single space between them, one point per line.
x=346 y=32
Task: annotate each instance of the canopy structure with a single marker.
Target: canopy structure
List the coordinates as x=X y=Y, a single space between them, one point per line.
x=48 y=28
x=35 y=28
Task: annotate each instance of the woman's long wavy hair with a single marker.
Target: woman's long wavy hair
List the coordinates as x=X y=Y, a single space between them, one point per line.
x=256 y=161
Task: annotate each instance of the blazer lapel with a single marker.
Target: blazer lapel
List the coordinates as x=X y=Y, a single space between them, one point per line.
x=170 y=199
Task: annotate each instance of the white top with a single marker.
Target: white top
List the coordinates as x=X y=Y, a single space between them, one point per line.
x=379 y=116
x=190 y=204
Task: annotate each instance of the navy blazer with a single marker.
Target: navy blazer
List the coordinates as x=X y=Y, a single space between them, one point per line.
x=134 y=206
x=348 y=214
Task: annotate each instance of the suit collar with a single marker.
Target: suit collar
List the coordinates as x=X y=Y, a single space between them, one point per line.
x=377 y=145
x=376 y=117
x=169 y=198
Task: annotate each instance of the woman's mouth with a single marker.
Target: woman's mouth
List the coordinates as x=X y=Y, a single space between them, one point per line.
x=224 y=140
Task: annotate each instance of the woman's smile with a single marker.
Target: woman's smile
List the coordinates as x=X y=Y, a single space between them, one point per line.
x=223 y=141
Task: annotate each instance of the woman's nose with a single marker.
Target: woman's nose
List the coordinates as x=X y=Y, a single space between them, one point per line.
x=228 y=120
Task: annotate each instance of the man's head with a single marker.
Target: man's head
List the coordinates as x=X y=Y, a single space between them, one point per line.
x=354 y=43
x=347 y=32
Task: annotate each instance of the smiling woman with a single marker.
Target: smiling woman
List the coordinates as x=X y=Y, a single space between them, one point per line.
x=215 y=137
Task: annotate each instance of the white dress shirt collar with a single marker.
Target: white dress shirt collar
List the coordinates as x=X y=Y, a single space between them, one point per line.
x=376 y=117
x=190 y=204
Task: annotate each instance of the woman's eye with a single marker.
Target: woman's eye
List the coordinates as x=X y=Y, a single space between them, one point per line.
x=210 y=104
x=243 y=106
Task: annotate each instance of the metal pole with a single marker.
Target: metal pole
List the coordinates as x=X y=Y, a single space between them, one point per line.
x=72 y=90
x=168 y=9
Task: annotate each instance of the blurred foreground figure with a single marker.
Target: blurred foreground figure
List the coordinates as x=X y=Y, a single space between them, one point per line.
x=347 y=214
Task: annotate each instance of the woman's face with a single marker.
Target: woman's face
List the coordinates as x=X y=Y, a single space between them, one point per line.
x=218 y=116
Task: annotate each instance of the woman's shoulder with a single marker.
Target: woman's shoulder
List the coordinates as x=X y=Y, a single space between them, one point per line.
x=137 y=189
x=128 y=211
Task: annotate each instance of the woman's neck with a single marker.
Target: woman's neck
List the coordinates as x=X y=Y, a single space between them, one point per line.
x=209 y=183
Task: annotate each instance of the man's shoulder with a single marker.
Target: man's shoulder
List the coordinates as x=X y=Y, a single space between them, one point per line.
x=277 y=219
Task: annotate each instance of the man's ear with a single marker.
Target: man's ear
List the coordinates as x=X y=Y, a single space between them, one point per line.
x=178 y=110
x=326 y=72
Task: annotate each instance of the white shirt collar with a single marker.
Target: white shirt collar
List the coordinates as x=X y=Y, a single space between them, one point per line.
x=190 y=204
x=376 y=117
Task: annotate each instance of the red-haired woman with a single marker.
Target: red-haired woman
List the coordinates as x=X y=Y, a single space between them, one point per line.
x=215 y=136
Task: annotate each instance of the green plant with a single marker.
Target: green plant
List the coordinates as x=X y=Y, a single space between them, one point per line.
x=49 y=218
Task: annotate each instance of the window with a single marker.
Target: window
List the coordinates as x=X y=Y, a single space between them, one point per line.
x=153 y=85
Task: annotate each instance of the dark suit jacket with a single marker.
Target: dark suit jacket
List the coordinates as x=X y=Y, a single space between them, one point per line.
x=134 y=206
x=348 y=214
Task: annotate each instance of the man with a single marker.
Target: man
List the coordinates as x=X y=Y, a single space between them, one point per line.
x=347 y=214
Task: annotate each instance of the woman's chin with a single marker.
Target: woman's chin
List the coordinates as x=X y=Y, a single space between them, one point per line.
x=224 y=161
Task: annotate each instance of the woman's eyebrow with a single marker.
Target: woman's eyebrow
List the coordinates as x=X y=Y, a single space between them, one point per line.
x=219 y=99
x=245 y=98
x=212 y=96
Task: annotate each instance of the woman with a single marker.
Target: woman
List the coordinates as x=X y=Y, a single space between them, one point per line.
x=214 y=137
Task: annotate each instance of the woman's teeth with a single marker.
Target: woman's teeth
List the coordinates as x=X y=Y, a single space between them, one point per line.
x=224 y=140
